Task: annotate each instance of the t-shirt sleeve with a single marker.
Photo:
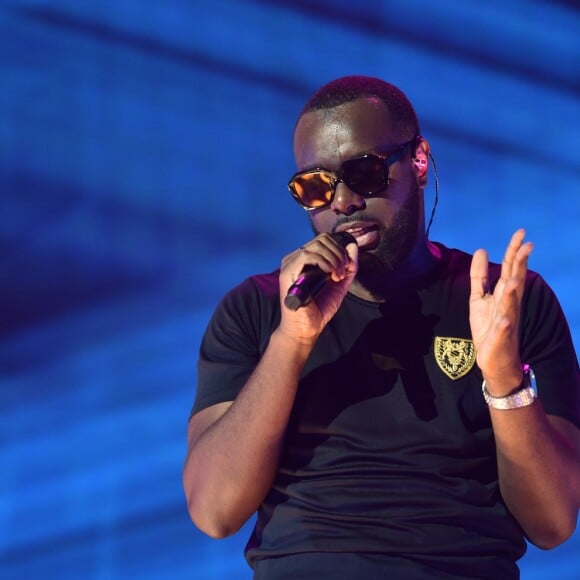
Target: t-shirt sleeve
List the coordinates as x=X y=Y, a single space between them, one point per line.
x=546 y=344
x=234 y=341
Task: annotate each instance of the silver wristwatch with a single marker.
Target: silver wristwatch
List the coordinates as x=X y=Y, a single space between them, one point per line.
x=524 y=396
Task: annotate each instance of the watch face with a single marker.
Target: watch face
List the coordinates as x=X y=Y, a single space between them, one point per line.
x=531 y=378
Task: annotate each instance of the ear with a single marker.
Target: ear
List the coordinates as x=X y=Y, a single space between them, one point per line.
x=421 y=160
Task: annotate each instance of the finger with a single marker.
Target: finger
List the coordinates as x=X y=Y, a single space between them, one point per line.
x=514 y=285
x=352 y=265
x=328 y=255
x=514 y=245
x=352 y=251
x=479 y=274
x=322 y=252
x=520 y=267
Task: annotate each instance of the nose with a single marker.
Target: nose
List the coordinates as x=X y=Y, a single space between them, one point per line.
x=346 y=201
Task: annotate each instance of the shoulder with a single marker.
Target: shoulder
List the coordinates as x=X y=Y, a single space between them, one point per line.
x=452 y=271
x=457 y=263
x=254 y=289
x=267 y=285
x=250 y=309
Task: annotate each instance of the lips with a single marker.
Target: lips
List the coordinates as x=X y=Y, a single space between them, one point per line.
x=366 y=234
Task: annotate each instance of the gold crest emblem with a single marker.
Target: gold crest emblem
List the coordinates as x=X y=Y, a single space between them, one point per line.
x=455 y=356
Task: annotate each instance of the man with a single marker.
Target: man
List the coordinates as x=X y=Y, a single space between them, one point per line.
x=356 y=425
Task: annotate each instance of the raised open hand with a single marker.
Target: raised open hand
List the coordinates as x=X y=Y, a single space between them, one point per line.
x=494 y=314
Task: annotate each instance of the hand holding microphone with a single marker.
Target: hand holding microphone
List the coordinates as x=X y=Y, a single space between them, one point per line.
x=312 y=279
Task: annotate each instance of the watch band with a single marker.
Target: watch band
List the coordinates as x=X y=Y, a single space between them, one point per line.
x=524 y=396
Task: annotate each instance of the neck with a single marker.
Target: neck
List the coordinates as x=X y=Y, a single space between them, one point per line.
x=376 y=284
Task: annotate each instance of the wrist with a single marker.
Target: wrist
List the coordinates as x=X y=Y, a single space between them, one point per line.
x=524 y=395
x=505 y=384
x=292 y=341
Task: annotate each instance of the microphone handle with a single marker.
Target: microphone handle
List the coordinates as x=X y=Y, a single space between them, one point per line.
x=312 y=278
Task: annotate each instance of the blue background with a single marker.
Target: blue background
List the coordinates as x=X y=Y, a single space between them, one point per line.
x=144 y=152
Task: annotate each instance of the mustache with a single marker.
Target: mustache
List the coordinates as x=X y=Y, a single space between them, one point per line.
x=355 y=217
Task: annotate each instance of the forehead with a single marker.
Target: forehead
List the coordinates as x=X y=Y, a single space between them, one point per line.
x=327 y=137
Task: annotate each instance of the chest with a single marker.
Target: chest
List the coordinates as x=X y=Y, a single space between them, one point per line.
x=398 y=379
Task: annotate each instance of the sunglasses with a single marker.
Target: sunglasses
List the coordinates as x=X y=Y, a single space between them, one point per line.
x=366 y=175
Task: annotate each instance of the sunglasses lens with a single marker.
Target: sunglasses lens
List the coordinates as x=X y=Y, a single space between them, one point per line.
x=312 y=189
x=365 y=175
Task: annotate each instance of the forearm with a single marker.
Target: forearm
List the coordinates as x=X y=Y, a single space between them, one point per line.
x=230 y=467
x=539 y=473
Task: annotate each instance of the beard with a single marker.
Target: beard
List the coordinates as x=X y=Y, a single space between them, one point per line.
x=396 y=243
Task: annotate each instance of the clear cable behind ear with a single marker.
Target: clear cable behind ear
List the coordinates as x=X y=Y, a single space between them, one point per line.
x=436 y=201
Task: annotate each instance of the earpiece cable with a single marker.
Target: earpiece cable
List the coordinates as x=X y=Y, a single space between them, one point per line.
x=436 y=201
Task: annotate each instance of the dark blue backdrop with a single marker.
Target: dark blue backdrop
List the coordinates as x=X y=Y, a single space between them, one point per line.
x=144 y=152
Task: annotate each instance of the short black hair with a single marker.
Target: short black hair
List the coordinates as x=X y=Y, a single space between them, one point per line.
x=349 y=88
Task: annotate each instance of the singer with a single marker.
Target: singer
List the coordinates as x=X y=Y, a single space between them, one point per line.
x=417 y=415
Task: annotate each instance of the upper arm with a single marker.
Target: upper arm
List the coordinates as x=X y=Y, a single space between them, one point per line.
x=203 y=420
x=571 y=435
x=568 y=431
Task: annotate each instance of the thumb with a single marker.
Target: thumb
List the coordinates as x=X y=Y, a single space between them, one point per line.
x=352 y=251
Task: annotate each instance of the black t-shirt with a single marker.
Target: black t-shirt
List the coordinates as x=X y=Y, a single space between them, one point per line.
x=389 y=449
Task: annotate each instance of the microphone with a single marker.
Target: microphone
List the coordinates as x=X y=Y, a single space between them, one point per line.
x=312 y=278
